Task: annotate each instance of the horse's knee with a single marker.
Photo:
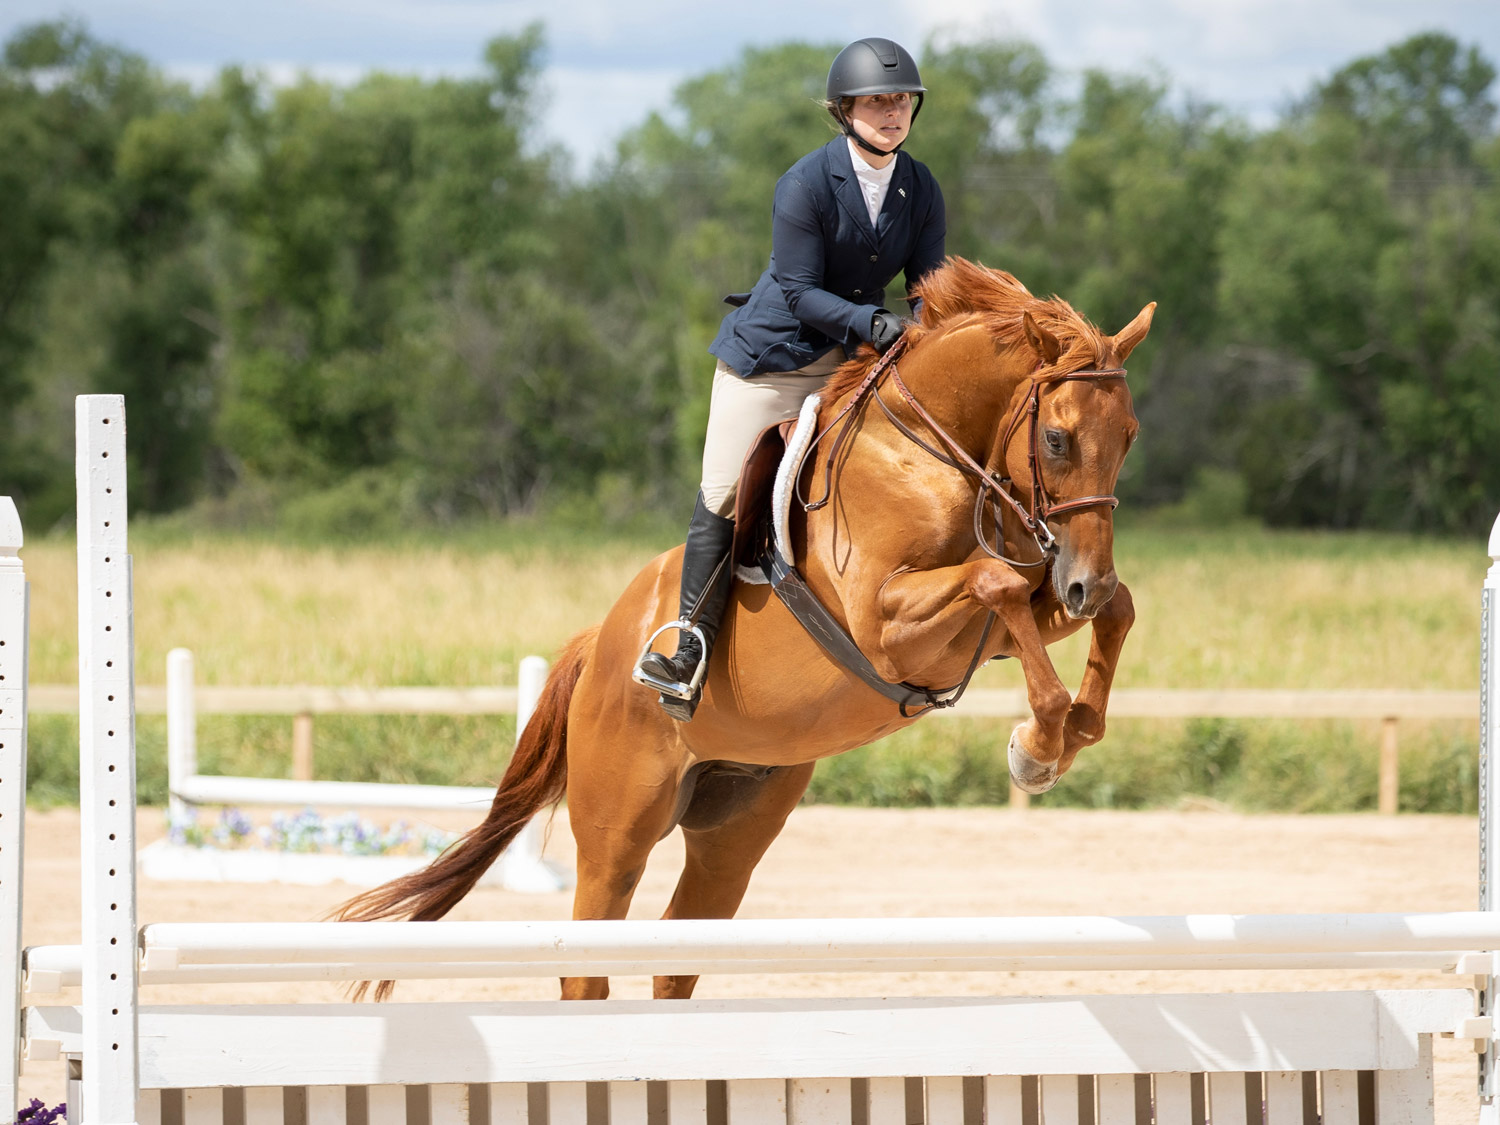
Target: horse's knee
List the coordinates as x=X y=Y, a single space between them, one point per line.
x=996 y=586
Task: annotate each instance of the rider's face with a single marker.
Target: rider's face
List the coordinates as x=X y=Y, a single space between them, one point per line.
x=883 y=120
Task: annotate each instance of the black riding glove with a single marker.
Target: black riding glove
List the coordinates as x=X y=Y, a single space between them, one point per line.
x=885 y=329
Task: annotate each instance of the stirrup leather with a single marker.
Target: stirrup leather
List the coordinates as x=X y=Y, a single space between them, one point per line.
x=688 y=690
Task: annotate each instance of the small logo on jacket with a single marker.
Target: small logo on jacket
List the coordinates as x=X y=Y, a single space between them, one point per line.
x=901 y=191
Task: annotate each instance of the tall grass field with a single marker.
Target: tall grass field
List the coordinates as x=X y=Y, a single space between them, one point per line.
x=1240 y=608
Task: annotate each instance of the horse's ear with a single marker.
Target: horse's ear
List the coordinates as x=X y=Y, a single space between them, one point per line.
x=1134 y=332
x=1042 y=342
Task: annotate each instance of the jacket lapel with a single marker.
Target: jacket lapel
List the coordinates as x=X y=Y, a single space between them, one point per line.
x=846 y=188
x=897 y=197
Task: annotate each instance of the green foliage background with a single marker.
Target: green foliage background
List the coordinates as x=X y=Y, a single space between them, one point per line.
x=338 y=310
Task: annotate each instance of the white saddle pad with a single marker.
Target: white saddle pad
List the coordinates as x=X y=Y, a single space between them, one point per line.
x=784 y=489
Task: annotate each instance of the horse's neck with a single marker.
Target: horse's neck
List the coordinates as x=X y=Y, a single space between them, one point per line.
x=968 y=384
x=893 y=507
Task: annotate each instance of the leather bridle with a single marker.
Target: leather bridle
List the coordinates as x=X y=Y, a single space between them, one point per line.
x=993 y=489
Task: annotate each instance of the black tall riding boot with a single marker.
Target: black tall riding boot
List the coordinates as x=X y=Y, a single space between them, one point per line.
x=706 y=577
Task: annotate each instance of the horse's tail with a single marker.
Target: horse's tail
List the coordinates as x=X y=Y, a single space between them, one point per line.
x=536 y=777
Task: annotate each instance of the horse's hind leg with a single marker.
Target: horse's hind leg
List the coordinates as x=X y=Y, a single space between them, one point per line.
x=618 y=815
x=727 y=828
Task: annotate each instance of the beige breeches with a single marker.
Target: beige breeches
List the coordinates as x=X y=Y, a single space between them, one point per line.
x=740 y=409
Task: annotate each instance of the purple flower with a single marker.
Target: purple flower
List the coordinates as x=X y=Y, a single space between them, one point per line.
x=38 y=1113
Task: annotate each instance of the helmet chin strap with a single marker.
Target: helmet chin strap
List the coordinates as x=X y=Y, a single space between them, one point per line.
x=864 y=144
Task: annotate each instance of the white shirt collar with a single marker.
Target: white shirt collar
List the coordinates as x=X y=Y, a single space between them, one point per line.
x=867 y=171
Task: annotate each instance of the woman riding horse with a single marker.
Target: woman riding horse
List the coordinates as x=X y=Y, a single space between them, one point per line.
x=847 y=218
x=966 y=512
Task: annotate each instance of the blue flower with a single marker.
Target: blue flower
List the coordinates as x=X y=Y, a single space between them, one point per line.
x=307 y=832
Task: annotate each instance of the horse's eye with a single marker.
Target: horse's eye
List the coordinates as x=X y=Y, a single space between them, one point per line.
x=1055 y=441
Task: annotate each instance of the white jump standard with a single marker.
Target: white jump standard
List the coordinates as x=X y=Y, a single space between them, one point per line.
x=1231 y=1058
x=13 y=645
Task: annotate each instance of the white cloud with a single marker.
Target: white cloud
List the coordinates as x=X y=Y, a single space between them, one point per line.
x=589 y=108
x=1251 y=55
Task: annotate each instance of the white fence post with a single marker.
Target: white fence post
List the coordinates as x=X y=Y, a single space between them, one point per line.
x=13 y=644
x=522 y=867
x=106 y=730
x=182 y=730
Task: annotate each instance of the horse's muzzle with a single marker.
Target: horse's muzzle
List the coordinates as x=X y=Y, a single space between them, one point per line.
x=1083 y=595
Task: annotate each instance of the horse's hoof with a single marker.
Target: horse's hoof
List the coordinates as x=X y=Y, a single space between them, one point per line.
x=1029 y=774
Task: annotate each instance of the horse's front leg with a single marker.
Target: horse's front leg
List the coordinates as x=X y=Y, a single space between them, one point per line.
x=1038 y=747
x=913 y=621
x=1085 y=722
x=918 y=615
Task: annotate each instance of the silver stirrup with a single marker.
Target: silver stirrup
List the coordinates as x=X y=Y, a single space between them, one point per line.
x=669 y=687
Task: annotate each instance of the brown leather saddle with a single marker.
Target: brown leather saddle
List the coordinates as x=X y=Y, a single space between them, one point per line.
x=752 y=501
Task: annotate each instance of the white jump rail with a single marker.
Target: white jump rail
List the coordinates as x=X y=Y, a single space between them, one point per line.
x=52 y=968
x=1232 y=1059
x=988 y=703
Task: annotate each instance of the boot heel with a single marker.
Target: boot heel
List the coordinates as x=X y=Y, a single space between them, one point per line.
x=680 y=709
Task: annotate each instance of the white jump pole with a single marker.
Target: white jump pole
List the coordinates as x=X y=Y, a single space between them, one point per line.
x=106 y=730
x=182 y=730
x=1489 y=803
x=13 y=645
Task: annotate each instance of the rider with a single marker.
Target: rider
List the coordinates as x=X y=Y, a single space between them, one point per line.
x=847 y=218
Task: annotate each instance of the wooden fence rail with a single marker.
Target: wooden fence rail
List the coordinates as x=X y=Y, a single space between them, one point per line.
x=302 y=703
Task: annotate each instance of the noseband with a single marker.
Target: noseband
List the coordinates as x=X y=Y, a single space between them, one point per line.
x=991 y=486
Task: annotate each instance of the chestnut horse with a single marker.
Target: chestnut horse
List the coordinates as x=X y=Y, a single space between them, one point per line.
x=1027 y=388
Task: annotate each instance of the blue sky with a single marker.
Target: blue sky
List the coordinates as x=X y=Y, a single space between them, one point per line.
x=610 y=62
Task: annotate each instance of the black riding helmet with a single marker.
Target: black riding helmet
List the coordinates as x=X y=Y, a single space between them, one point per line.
x=872 y=66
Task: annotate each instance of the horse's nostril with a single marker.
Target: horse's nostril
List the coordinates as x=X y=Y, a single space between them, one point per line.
x=1075 y=595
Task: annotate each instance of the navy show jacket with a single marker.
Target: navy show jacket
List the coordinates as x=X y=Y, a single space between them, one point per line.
x=829 y=266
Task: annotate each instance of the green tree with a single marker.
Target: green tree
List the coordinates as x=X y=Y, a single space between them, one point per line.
x=1361 y=240
x=102 y=159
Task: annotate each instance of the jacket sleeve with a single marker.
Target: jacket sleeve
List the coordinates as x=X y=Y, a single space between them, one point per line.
x=800 y=249
x=929 y=250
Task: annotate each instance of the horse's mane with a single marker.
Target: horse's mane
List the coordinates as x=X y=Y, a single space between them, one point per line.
x=961 y=291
